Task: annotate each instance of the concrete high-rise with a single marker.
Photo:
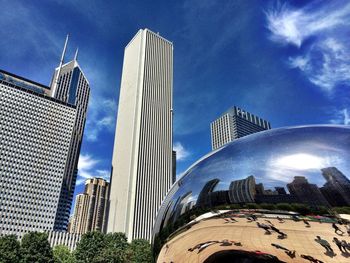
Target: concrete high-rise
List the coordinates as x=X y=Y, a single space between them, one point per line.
x=142 y=157
x=41 y=132
x=90 y=212
x=35 y=138
x=233 y=124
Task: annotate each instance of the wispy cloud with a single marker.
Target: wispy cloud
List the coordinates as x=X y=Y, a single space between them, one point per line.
x=341 y=117
x=87 y=168
x=101 y=117
x=181 y=152
x=321 y=34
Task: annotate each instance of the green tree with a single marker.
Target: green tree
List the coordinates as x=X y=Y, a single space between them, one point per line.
x=62 y=254
x=115 y=249
x=140 y=251
x=9 y=249
x=36 y=248
x=90 y=247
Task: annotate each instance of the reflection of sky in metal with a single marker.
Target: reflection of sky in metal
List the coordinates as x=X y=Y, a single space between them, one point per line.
x=273 y=157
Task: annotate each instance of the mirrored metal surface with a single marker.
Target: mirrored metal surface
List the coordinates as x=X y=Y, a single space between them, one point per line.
x=290 y=171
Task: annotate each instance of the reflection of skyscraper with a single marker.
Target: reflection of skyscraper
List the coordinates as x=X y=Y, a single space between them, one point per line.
x=182 y=205
x=233 y=124
x=259 y=189
x=281 y=190
x=204 y=196
x=306 y=192
x=337 y=188
x=242 y=191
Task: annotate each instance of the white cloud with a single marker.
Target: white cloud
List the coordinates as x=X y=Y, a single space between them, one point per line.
x=87 y=169
x=289 y=25
x=325 y=61
x=341 y=117
x=181 y=152
x=346 y=117
x=101 y=116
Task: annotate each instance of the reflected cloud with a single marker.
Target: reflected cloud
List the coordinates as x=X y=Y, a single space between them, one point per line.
x=299 y=161
x=306 y=166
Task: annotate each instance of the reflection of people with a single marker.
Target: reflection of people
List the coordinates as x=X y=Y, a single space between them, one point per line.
x=345 y=245
x=337 y=229
x=306 y=222
x=268 y=221
x=225 y=242
x=279 y=247
x=348 y=230
x=290 y=253
x=280 y=219
x=202 y=246
x=324 y=243
x=312 y=259
x=339 y=245
x=281 y=234
x=265 y=227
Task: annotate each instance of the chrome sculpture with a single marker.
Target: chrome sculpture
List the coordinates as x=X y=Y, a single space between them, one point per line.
x=291 y=171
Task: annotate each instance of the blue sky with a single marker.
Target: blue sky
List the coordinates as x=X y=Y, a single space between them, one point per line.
x=286 y=61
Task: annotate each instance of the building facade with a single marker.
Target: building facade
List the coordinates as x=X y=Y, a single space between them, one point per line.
x=337 y=188
x=242 y=191
x=142 y=157
x=306 y=192
x=35 y=138
x=41 y=134
x=73 y=88
x=90 y=212
x=57 y=238
x=233 y=124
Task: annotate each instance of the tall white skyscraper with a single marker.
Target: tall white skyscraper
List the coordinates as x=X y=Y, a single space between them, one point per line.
x=142 y=157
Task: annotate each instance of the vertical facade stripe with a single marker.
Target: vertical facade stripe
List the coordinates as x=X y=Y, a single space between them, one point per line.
x=152 y=155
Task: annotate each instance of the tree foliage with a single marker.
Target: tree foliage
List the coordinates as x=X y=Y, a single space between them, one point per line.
x=140 y=251
x=62 y=254
x=90 y=247
x=94 y=247
x=35 y=247
x=115 y=248
x=9 y=249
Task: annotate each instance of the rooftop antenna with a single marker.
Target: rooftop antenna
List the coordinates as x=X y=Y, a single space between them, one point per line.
x=55 y=83
x=76 y=54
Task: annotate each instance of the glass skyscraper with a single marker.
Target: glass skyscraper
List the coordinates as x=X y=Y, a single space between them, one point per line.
x=72 y=88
